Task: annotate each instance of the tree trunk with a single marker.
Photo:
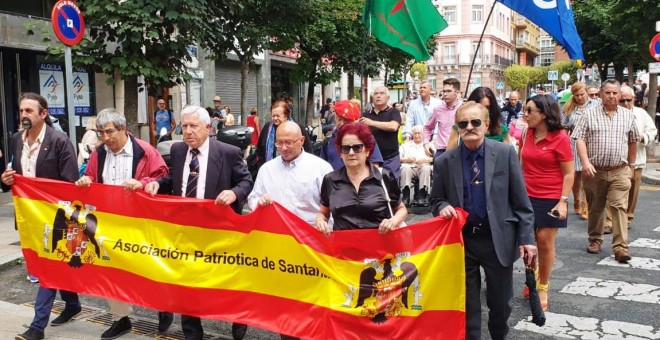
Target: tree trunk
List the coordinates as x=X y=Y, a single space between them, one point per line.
x=618 y=72
x=131 y=105
x=309 y=112
x=245 y=71
x=351 y=85
x=652 y=109
x=631 y=72
x=602 y=70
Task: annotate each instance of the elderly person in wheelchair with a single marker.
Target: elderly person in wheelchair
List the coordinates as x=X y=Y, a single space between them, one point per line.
x=415 y=163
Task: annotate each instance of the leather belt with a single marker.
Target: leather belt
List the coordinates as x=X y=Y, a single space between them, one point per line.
x=475 y=230
x=610 y=168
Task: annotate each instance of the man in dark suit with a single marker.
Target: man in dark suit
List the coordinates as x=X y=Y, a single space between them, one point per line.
x=40 y=151
x=484 y=178
x=206 y=169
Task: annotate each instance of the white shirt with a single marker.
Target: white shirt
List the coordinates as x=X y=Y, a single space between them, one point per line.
x=31 y=152
x=648 y=131
x=118 y=167
x=203 y=159
x=296 y=185
x=411 y=149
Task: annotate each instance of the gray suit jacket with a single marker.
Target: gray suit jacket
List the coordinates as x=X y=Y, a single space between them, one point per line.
x=509 y=211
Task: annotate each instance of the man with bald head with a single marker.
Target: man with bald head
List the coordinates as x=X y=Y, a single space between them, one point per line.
x=512 y=109
x=384 y=122
x=292 y=179
x=420 y=109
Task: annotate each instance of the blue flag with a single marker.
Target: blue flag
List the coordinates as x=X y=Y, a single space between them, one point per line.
x=554 y=17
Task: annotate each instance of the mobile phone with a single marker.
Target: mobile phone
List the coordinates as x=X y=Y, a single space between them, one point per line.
x=554 y=213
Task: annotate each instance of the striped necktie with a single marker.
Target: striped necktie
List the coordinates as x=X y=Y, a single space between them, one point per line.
x=191 y=188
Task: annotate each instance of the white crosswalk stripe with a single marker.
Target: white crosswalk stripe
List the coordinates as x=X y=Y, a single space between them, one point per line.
x=657 y=228
x=574 y=327
x=618 y=290
x=645 y=243
x=635 y=262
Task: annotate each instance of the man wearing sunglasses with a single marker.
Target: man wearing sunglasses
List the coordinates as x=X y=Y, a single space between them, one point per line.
x=484 y=178
x=606 y=138
x=647 y=132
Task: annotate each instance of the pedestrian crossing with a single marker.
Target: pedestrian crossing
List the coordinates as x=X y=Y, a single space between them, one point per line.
x=640 y=288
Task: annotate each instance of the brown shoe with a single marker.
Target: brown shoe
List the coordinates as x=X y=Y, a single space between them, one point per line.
x=594 y=247
x=607 y=229
x=622 y=256
x=578 y=208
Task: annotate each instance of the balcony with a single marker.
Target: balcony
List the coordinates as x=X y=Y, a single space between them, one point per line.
x=524 y=45
x=503 y=61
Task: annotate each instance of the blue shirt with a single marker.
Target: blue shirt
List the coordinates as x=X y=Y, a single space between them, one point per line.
x=163 y=120
x=330 y=154
x=474 y=188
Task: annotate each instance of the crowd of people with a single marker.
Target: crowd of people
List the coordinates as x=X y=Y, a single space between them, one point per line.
x=511 y=167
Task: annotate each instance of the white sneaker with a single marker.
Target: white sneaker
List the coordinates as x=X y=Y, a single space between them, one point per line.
x=32 y=279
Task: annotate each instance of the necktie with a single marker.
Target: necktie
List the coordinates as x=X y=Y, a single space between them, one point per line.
x=477 y=189
x=191 y=188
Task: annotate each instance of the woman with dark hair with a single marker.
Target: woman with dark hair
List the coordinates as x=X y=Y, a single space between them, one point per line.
x=266 y=149
x=359 y=195
x=497 y=131
x=547 y=162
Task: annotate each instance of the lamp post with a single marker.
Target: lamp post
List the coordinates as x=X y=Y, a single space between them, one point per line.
x=416 y=82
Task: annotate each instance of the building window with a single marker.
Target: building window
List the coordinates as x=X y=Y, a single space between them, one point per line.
x=477 y=13
x=449 y=13
x=449 y=53
x=476 y=50
x=475 y=81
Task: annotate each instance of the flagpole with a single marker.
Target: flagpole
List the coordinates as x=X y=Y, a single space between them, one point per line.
x=363 y=94
x=474 y=57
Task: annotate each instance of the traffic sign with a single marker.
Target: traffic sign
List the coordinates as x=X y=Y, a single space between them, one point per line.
x=500 y=85
x=654 y=47
x=553 y=75
x=565 y=77
x=68 y=22
x=654 y=68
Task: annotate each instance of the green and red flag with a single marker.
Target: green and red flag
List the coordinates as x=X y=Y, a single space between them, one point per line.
x=404 y=24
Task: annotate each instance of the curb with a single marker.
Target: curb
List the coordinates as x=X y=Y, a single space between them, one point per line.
x=650 y=180
x=9 y=260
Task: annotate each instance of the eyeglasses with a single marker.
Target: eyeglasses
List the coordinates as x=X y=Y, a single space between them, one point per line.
x=287 y=143
x=625 y=100
x=530 y=110
x=107 y=132
x=463 y=124
x=593 y=95
x=357 y=148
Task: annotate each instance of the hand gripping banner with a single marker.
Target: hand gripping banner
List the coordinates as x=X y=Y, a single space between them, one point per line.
x=268 y=269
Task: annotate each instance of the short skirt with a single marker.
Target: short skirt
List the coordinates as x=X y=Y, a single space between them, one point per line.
x=541 y=208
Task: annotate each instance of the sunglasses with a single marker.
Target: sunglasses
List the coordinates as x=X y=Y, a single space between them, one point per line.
x=357 y=148
x=625 y=101
x=463 y=124
x=593 y=95
x=530 y=110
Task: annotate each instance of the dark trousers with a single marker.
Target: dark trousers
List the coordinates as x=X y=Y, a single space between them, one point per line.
x=394 y=165
x=480 y=252
x=44 y=303
x=192 y=327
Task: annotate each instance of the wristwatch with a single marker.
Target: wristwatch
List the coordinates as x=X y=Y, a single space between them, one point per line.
x=564 y=198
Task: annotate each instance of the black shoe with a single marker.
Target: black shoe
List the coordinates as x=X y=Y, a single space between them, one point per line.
x=164 y=321
x=238 y=330
x=423 y=197
x=30 y=334
x=65 y=317
x=405 y=194
x=118 y=328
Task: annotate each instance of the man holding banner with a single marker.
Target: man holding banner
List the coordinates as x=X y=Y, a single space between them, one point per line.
x=130 y=162
x=205 y=168
x=40 y=151
x=484 y=178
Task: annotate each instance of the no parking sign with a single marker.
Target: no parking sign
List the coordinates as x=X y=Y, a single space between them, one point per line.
x=68 y=22
x=654 y=47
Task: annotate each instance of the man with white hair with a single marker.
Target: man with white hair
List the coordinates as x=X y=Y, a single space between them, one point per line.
x=647 y=132
x=205 y=168
x=415 y=163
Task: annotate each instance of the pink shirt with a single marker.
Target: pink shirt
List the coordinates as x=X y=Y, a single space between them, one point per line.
x=541 y=163
x=442 y=118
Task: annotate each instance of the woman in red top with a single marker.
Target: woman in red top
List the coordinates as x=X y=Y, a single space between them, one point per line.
x=547 y=163
x=253 y=122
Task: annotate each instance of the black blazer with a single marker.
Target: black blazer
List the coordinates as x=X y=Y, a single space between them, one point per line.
x=226 y=170
x=509 y=210
x=56 y=160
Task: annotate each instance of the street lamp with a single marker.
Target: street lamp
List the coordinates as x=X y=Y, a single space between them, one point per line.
x=416 y=82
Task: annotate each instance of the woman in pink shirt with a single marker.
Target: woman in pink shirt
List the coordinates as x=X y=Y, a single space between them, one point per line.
x=547 y=163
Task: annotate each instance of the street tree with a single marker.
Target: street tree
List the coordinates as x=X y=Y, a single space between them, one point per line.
x=147 y=38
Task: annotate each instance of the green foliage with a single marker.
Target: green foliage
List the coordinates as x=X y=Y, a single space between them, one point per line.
x=421 y=68
x=518 y=76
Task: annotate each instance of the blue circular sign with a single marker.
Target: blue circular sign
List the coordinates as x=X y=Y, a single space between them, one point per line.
x=654 y=47
x=68 y=22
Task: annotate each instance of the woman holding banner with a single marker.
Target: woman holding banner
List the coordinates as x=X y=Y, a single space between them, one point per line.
x=359 y=195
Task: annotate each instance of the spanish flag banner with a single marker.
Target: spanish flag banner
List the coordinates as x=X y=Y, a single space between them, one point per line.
x=268 y=269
